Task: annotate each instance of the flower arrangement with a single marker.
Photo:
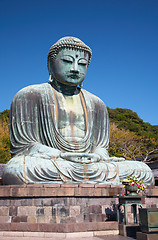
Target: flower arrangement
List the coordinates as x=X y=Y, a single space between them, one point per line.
x=137 y=183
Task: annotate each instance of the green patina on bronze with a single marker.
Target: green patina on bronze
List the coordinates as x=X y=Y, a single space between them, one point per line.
x=59 y=132
x=148 y=218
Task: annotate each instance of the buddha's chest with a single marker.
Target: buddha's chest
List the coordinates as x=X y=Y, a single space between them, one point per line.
x=71 y=117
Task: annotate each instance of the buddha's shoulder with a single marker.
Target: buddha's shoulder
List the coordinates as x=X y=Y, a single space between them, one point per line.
x=93 y=97
x=37 y=89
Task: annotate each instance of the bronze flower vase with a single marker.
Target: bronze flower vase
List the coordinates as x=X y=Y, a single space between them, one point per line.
x=132 y=189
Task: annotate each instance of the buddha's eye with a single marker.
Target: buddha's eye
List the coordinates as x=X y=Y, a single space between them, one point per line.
x=67 y=59
x=82 y=62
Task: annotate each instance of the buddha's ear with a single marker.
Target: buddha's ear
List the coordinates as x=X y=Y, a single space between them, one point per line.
x=50 y=72
x=81 y=85
x=50 y=78
x=49 y=65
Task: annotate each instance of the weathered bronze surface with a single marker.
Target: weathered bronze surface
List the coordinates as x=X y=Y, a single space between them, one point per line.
x=59 y=132
x=148 y=218
x=126 y=201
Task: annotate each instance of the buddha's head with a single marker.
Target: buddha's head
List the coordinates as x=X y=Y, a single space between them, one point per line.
x=68 y=60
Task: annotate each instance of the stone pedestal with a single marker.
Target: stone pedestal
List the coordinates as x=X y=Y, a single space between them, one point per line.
x=63 y=208
x=59 y=208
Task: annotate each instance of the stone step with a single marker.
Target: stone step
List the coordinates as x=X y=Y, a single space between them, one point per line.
x=58 y=235
x=60 y=227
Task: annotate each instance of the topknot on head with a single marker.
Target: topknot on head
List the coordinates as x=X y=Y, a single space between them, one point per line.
x=68 y=42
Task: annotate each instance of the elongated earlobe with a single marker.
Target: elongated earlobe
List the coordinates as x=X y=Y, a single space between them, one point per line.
x=81 y=85
x=50 y=78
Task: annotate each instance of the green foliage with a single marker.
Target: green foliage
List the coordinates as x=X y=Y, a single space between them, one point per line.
x=4 y=116
x=130 y=136
x=4 y=137
x=129 y=120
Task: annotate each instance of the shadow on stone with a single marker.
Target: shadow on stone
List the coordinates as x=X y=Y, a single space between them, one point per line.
x=129 y=230
x=111 y=213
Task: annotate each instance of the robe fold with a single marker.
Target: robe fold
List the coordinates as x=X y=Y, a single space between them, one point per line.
x=37 y=144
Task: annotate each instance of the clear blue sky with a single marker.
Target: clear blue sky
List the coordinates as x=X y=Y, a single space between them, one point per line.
x=123 y=35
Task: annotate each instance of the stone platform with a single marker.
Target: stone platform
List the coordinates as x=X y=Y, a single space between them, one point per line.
x=147 y=236
x=63 y=208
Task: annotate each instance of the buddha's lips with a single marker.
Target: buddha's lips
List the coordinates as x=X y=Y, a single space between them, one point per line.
x=75 y=76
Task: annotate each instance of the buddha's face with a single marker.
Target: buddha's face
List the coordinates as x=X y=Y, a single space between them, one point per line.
x=70 y=66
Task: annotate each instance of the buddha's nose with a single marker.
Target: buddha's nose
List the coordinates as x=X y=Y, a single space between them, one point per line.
x=74 y=68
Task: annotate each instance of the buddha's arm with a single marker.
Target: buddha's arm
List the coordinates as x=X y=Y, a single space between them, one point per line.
x=29 y=128
x=40 y=150
x=102 y=153
x=22 y=145
x=101 y=130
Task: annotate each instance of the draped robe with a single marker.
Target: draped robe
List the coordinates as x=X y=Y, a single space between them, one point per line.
x=36 y=143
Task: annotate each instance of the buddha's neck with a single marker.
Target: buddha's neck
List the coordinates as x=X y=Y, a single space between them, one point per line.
x=65 y=89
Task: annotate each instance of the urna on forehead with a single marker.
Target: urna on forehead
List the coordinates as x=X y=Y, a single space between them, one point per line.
x=78 y=53
x=68 y=42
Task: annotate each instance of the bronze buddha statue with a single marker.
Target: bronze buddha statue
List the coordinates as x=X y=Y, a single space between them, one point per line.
x=59 y=132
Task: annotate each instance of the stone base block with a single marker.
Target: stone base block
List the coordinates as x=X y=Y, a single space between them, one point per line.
x=128 y=230
x=54 y=235
x=147 y=236
x=64 y=208
x=61 y=227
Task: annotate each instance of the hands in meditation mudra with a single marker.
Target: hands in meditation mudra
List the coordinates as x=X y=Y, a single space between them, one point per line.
x=59 y=132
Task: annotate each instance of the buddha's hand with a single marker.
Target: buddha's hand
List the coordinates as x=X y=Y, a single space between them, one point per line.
x=116 y=159
x=81 y=157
